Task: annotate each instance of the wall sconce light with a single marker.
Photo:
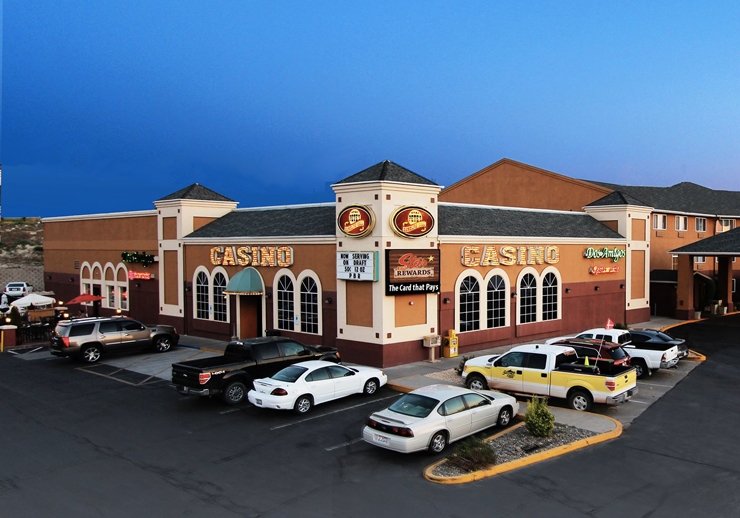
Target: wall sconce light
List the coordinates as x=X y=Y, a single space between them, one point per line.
x=513 y=294
x=327 y=300
x=65 y=316
x=411 y=302
x=567 y=290
x=48 y=277
x=7 y=320
x=621 y=286
x=138 y=285
x=118 y=311
x=446 y=300
x=60 y=303
x=268 y=295
x=596 y=288
x=71 y=279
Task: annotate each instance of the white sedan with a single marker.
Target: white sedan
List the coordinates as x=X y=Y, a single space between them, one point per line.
x=305 y=384
x=430 y=418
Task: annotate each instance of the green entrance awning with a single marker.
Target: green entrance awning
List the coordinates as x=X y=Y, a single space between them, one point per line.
x=246 y=282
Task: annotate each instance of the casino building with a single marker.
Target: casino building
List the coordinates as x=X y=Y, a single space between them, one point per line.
x=392 y=262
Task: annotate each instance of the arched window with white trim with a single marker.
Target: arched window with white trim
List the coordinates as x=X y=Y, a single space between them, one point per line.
x=528 y=299
x=220 y=307
x=469 y=304
x=550 y=297
x=309 y=306
x=496 y=302
x=285 y=303
x=201 y=296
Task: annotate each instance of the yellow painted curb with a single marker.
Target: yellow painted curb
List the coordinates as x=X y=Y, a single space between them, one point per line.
x=526 y=461
x=695 y=356
x=398 y=388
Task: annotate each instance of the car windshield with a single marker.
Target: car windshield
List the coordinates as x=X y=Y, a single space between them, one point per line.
x=15 y=285
x=289 y=374
x=414 y=405
x=617 y=353
x=664 y=337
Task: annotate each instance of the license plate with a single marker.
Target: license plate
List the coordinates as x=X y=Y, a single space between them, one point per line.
x=259 y=401
x=380 y=439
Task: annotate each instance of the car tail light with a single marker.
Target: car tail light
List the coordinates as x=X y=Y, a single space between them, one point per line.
x=279 y=392
x=662 y=358
x=203 y=377
x=395 y=430
x=65 y=341
x=611 y=385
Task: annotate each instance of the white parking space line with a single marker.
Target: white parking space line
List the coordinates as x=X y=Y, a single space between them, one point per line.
x=633 y=400
x=229 y=411
x=330 y=413
x=654 y=384
x=343 y=445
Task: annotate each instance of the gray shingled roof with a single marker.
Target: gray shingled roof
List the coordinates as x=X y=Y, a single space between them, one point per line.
x=313 y=220
x=683 y=197
x=726 y=243
x=462 y=220
x=387 y=171
x=195 y=192
x=616 y=198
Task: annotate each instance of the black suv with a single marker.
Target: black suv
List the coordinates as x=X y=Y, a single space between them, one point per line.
x=89 y=338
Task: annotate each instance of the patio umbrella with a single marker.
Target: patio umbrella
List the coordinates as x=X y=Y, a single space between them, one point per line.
x=33 y=298
x=84 y=297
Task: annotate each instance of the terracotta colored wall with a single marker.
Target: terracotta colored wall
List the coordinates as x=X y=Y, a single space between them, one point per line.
x=663 y=241
x=637 y=284
x=512 y=184
x=171 y=288
x=169 y=227
x=639 y=231
x=411 y=310
x=359 y=306
x=199 y=221
x=96 y=240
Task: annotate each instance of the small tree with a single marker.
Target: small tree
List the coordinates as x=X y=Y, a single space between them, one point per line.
x=539 y=420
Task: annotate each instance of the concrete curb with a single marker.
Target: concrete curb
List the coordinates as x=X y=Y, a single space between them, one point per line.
x=398 y=388
x=526 y=461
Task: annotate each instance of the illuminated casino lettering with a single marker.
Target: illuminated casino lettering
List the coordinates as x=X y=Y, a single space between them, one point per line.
x=508 y=255
x=270 y=256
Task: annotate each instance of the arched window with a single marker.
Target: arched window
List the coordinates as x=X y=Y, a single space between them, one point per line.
x=550 y=297
x=219 y=299
x=496 y=310
x=528 y=299
x=285 y=304
x=201 y=295
x=309 y=306
x=469 y=305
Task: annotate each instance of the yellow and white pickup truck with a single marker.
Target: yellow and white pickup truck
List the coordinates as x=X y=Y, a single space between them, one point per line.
x=551 y=371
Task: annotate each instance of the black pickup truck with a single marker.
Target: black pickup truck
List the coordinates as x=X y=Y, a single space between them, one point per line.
x=231 y=375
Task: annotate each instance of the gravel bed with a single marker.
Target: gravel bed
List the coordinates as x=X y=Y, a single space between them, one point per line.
x=519 y=443
x=448 y=376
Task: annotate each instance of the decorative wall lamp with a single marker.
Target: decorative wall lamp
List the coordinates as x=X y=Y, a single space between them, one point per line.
x=446 y=300
x=621 y=286
x=513 y=294
x=327 y=300
x=567 y=290
x=596 y=288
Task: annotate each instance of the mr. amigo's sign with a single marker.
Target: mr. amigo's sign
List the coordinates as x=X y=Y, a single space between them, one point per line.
x=412 y=271
x=615 y=254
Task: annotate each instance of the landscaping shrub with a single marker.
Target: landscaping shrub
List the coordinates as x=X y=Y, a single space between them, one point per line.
x=461 y=365
x=540 y=422
x=472 y=454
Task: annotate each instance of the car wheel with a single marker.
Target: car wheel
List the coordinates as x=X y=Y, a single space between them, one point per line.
x=476 y=383
x=235 y=393
x=504 y=417
x=91 y=353
x=371 y=386
x=438 y=442
x=641 y=369
x=162 y=344
x=580 y=400
x=303 y=404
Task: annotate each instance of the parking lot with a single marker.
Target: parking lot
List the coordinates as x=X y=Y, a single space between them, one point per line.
x=115 y=439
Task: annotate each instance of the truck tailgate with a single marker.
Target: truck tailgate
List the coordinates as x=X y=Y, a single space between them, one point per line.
x=625 y=381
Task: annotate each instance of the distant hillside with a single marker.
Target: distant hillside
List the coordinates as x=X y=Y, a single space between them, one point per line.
x=21 y=242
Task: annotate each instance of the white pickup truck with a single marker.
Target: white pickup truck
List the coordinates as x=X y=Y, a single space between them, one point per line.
x=645 y=358
x=554 y=371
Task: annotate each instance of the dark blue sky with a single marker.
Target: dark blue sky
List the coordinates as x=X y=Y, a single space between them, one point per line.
x=109 y=105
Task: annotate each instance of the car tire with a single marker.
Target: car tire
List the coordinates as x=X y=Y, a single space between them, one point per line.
x=91 y=353
x=504 y=417
x=371 y=387
x=303 y=404
x=163 y=344
x=641 y=368
x=580 y=400
x=438 y=443
x=476 y=383
x=235 y=393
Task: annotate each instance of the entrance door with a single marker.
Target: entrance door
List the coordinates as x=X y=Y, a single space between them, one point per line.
x=250 y=316
x=96 y=304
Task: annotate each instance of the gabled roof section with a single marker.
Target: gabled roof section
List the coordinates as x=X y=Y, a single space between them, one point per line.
x=457 y=219
x=683 y=197
x=617 y=198
x=387 y=171
x=726 y=243
x=297 y=220
x=196 y=192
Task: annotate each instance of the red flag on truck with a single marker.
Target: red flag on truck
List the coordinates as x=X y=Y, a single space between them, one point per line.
x=609 y=323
